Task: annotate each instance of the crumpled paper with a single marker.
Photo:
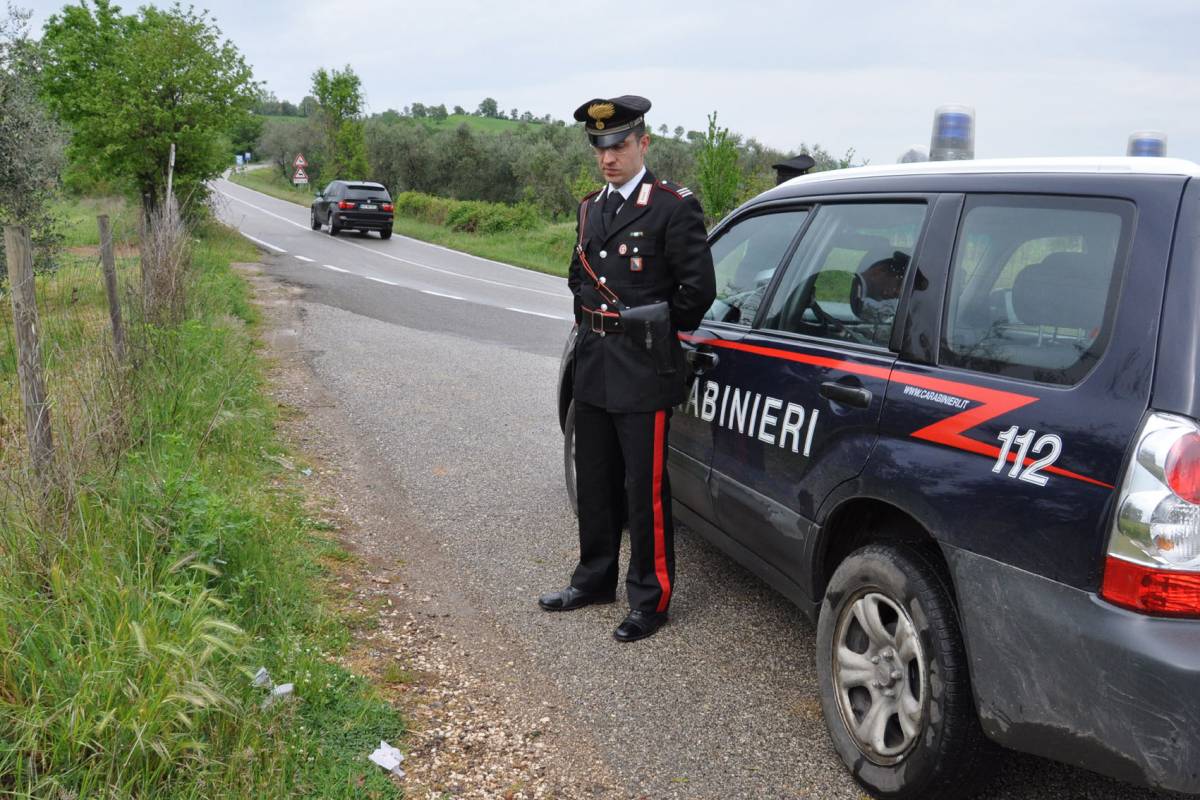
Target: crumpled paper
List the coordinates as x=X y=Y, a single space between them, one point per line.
x=389 y=758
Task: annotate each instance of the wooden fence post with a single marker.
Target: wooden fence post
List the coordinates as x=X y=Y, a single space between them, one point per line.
x=110 y=285
x=19 y=254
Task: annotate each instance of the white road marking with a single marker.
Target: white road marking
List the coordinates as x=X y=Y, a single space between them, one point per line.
x=441 y=294
x=381 y=280
x=535 y=313
x=397 y=258
x=336 y=269
x=268 y=245
x=305 y=258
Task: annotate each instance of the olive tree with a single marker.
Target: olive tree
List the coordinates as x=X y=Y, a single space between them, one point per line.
x=30 y=142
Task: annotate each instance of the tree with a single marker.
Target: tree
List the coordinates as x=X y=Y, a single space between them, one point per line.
x=824 y=160
x=308 y=106
x=128 y=87
x=438 y=112
x=717 y=173
x=30 y=143
x=339 y=109
x=514 y=114
x=678 y=131
x=419 y=111
x=488 y=108
x=459 y=111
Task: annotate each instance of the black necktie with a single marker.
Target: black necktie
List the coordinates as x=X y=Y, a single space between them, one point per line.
x=612 y=201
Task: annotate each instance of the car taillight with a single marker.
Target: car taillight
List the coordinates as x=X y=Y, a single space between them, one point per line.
x=1153 y=563
x=386 y=206
x=345 y=205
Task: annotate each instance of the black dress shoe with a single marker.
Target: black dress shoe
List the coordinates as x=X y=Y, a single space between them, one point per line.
x=639 y=625
x=571 y=598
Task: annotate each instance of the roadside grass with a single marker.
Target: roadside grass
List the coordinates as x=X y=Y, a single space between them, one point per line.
x=139 y=600
x=545 y=248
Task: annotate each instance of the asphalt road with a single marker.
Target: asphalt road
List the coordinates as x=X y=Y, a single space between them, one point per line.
x=445 y=364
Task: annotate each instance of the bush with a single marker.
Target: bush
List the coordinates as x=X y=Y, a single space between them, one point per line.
x=476 y=216
x=468 y=216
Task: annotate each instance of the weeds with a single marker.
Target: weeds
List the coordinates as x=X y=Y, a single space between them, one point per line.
x=168 y=564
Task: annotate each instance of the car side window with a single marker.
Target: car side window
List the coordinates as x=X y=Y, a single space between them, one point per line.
x=1033 y=284
x=845 y=278
x=745 y=258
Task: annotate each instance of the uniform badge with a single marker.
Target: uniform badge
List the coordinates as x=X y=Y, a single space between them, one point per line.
x=644 y=194
x=635 y=264
x=622 y=249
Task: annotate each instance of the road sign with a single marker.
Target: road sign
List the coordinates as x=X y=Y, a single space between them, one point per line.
x=299 y=163
x=299 y=176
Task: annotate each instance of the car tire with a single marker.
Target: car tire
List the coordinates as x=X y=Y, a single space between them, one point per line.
x=334 y=230
x=894 y=679
x=569 y=459
x=313 y=221
x=386 y=233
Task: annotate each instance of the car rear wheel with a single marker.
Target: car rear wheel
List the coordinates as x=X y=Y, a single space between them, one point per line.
x=386 y=233
x=894 y=681
x=312 y=219
x=334 y=230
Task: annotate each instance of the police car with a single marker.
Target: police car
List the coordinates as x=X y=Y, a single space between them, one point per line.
x=950 y=410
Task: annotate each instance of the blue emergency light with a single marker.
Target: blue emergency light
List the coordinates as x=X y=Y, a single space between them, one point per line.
x=1147 y=143
x=953 y=134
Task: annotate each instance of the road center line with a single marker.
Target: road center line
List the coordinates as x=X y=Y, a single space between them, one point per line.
x=267 y=245
x=336 y=269
x=305 y=258
x=397 y=258
x=441 y=294
x=535 y=313
x=381 y=280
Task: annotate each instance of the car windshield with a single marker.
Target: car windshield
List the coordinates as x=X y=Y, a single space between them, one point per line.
x=367 y=193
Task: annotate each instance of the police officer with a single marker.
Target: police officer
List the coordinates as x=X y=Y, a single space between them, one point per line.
x=641 y=273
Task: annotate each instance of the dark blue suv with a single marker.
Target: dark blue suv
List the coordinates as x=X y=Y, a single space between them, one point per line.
x=950 y=410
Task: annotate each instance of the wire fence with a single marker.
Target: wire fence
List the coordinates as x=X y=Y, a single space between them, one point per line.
x=84 y=372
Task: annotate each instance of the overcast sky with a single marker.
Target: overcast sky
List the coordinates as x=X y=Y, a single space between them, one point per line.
x=1046 y=77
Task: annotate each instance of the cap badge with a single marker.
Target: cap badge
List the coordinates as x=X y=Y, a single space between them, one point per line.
x=600 y=112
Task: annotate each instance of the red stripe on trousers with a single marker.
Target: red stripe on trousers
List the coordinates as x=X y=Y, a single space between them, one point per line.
x=660 y=544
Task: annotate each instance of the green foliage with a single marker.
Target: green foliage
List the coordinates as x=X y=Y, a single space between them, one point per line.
x=586 y=181
x=717 y=173
x=30 y=143
x=475 y=216
x=488 y=107
x=825 y=160
x=130 y=86
x=343 y=152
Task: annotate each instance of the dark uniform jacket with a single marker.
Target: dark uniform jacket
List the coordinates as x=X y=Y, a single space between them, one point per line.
x=655 y=249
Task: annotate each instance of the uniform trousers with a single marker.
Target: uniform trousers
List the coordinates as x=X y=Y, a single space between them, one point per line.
x=621 y=464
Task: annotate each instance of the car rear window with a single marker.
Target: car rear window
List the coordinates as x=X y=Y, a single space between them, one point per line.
x=1033 y=285
x=367 y=193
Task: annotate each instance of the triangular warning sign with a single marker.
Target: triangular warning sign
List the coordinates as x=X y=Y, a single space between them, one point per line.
x=300 y=162
x=300 y=174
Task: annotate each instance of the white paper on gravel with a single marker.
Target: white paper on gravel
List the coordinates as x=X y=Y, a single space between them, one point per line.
x=389 y=758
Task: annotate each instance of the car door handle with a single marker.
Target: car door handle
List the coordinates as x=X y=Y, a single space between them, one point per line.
x=846 y=395
x=702 y=360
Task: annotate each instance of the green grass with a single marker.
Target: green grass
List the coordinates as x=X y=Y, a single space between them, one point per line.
x=137 y=606
x=268 y=181
x=544 y=249
x=480 y=124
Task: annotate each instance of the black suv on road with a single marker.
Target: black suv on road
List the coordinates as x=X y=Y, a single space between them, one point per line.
x=950 y=410
x=356 y=205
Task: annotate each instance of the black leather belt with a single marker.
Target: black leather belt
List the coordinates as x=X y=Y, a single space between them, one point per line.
x=602 y=321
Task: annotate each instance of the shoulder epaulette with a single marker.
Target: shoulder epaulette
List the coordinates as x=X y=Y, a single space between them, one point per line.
x=674 y=188
x=587 y=197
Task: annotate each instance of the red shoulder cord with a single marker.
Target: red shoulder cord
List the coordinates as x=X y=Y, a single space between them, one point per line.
x=608 y=294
